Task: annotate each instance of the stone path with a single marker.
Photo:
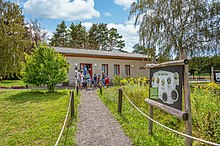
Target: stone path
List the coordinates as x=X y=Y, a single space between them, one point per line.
x=96 y=125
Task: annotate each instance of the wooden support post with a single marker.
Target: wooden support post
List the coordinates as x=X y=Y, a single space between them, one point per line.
x=119 y=100
x=150 y=123
x=77 y=89
x=101 y=90
x=187 y=106
x=72 y=103
x=212 y=74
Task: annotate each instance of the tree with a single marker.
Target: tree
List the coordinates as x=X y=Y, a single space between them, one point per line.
x=36 y=32
x=60 y=37
x=78 y=36
x=115 y=40
x=182 y=27
x=45 y=67
x=12 y=39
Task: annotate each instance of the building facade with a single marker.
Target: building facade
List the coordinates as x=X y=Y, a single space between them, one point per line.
x=111 y=63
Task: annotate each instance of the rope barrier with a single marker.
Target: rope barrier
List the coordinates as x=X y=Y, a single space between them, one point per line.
x=177 y=132
x=67 y=113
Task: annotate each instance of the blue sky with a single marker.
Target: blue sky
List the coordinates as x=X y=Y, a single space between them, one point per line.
x=113 y=12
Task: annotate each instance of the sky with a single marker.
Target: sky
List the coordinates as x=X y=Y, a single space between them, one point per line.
x=50 y=13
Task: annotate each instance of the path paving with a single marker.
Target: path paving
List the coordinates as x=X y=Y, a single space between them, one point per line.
x=96 y=126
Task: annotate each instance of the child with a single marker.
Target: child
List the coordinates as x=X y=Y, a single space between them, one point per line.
x=107 y=81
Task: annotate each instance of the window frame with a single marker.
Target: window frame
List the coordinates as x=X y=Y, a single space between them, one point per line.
x=129 y=70
x=106 y=73
x=118 y=67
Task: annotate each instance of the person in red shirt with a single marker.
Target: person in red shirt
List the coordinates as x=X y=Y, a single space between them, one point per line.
x=107 y=81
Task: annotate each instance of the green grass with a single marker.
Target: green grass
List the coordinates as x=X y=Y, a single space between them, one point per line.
x=9 y=83
x=34 y=117
x=135 y=125
x=205 y=113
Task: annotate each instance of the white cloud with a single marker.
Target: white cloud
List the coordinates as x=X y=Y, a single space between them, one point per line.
x=107 y=14
x=129 y=34
x=87 y=25
x=62 y=9
x=125 y=3
x=127 y=30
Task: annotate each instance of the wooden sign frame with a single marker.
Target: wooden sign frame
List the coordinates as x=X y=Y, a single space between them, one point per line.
x=184 y=115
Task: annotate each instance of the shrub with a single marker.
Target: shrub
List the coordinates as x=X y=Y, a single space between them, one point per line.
x=45 y=67
x=117 y=80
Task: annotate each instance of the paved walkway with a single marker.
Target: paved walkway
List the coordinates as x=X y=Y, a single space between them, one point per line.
x=96 y=125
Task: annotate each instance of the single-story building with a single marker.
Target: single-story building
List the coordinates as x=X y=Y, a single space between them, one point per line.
x=110 y=62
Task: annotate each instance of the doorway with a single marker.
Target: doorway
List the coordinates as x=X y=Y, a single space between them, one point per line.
x=85 y=67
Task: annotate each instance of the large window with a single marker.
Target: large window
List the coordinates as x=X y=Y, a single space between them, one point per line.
x=105 y=68
x=116 y=69
x=127 y=70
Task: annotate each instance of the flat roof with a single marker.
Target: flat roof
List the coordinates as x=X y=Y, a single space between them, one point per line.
x=74 y=51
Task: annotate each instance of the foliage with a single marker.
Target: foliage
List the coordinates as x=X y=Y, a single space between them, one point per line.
x=78 y=36
x=36 y=33
x=206 y=108
x=134 y=124
x=35 y=118
x=13 y=39
x=177 y=27
x=205 y=113
x=45 y=67
x=9 y=83
x=203 y=65
x=98 y=37
x=117 y=80
x=60 y=37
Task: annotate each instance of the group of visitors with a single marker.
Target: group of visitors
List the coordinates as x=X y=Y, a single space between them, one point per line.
x=84 y=80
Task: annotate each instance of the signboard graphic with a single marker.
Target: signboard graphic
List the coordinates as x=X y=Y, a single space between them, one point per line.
x=166 y=85
x=217 y=76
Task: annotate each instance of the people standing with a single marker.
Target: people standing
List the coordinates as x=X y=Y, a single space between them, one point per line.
x=88 y=79
x=79 y=79
x=103 y=78
x=95 y=81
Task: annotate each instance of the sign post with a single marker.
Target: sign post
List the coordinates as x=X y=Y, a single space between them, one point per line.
x=167 y=81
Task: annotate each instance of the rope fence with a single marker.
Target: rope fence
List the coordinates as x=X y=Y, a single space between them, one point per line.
x=177 y=132
x=64 y=123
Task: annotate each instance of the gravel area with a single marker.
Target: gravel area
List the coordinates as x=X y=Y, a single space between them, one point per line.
x=96 y=125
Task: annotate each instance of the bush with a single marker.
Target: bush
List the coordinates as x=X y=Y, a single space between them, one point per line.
x=45 y=67
x=117 y=80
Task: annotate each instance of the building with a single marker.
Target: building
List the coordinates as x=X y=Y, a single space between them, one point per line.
x=111 y=63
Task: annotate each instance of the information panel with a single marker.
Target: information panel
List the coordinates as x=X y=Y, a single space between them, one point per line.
x=166 y=85
x=217 y=76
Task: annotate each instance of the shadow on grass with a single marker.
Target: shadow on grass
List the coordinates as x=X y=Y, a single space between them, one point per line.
x=35 y=96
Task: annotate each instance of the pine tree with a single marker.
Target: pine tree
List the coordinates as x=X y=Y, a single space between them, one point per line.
x=78 y=36
x=60 y=37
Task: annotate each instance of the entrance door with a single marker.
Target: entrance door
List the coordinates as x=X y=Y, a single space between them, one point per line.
x=85 y=67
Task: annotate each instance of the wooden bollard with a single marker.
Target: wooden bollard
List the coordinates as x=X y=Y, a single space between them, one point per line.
x=150 y=123
x=72 y=103
x=101 y=90
x=77 y=90
x=119 y=100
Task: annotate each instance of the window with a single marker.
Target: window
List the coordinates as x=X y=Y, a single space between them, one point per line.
x=105 y=68
x=127 y=70
x=116 y=69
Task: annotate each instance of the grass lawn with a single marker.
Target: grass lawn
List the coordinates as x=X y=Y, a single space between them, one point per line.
x=9 y=83
x=35 y=117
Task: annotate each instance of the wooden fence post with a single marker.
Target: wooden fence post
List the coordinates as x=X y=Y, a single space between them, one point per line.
x=212 y=74
x=72 y=103
x=119 y=100
x=150 y=123
x=77 y=89
x=187 y=106
x=101 y=90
